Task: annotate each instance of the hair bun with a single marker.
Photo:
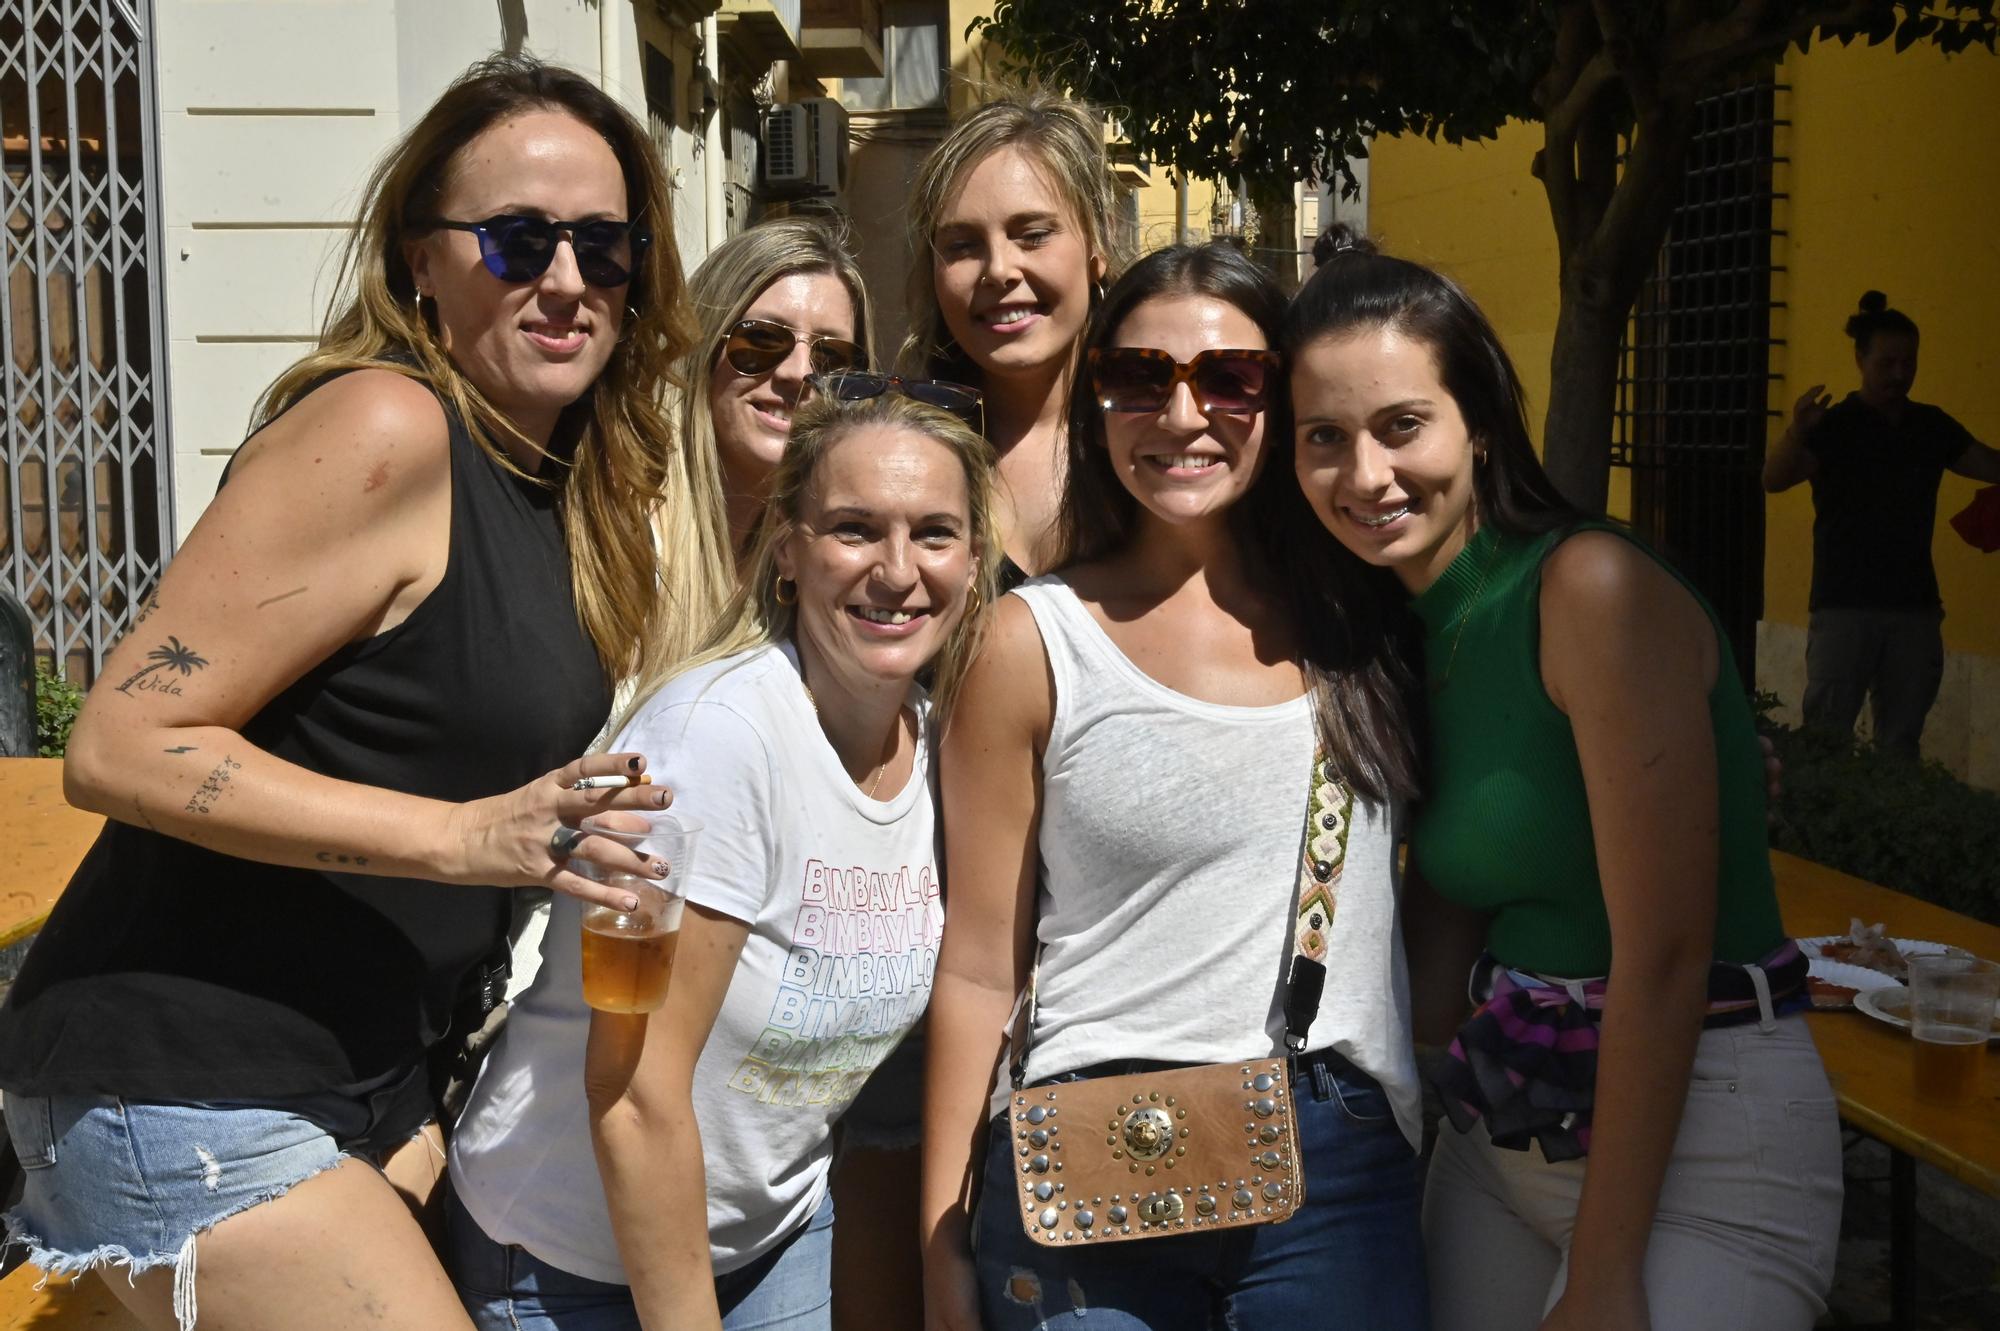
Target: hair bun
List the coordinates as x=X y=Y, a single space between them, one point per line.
x=1873 y=302
x=1340 y=238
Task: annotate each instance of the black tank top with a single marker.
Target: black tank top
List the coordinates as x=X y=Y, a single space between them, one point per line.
x=167 y=971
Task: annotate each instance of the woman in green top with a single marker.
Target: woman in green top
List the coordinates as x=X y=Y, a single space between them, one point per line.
x=1645 y=1135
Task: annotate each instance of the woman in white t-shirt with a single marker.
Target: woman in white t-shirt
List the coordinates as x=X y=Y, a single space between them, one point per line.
x=1126 y=788
x=676 y=1177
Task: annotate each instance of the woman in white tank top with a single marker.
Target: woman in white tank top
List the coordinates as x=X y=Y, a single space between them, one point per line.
x=1125 y=788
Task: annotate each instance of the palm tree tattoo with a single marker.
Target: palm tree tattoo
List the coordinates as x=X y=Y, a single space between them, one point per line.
x=174 y=656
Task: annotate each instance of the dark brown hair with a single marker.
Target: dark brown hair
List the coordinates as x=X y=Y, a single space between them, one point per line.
x=1344 y=613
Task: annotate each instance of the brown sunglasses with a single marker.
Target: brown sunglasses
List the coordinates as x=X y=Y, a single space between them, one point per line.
x=758 y=346
x=1143 y=378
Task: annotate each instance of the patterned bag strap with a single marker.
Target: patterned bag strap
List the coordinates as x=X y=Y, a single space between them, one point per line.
x=1322 y=857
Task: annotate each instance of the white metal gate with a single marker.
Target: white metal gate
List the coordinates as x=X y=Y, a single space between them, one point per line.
x=88 y=516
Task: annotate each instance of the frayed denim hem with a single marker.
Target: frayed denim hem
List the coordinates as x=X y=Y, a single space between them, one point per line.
x=52 y=1263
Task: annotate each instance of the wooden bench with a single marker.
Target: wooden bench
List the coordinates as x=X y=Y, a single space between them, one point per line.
x=82 y=1304
x=41 y=841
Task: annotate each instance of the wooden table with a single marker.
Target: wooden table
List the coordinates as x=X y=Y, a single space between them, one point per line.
x=1869 y=1062
x=41 y=840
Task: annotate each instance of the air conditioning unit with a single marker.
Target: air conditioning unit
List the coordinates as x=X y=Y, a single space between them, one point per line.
x=805 y=147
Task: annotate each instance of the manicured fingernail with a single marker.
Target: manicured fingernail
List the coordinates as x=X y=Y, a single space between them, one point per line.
x=633 y=763
x=659 y=868
x=661 y=799
x=629 y=903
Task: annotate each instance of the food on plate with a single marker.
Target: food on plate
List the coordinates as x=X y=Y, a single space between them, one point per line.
x=1867 y=945
x=1827 y=994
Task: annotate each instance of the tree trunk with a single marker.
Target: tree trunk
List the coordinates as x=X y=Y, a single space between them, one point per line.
x=1277 y=231
x=1583 y=383
x=1612 y=215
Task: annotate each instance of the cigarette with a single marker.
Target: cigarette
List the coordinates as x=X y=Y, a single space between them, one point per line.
x=613 y=782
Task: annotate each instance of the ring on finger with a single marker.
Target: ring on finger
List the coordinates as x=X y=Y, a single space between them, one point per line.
x=563 y=840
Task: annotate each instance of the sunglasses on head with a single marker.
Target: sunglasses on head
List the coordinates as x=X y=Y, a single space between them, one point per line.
x=520 y=249
x=858 y=385
x=758 y=346
x=1143 y=379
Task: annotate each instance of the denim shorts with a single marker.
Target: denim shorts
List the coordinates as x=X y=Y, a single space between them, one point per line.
x=504 y=1287
x=1350 y=1259
x=113 y=1182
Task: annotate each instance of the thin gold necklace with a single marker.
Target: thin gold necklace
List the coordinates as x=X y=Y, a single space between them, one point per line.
x=1465 y=617
x=889 y=750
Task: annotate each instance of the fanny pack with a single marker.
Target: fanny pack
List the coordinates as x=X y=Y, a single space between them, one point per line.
x=1526 y=1060
x=1216 y=1146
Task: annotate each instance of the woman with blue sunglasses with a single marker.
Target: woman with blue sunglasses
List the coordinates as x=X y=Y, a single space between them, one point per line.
x=349 y=718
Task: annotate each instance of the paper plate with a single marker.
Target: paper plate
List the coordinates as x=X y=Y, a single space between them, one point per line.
x=1907 y=946
x=1892 y=1004
x=1858 y=978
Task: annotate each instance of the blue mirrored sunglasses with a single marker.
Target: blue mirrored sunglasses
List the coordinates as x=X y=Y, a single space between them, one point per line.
x=516 y=248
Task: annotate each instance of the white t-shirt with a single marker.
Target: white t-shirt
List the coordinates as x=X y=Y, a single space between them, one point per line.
x=841 y=895
x=1171 y=834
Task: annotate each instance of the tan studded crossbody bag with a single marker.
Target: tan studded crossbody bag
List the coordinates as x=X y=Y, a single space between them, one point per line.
x=1183 y=1150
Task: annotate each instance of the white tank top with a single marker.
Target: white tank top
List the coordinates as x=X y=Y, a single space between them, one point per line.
x=1170 y=839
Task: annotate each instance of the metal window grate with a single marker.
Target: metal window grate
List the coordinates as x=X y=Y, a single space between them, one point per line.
x=1692 y=410
x=88 y=517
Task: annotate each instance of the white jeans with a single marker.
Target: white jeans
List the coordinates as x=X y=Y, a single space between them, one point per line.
x=1748 y=1220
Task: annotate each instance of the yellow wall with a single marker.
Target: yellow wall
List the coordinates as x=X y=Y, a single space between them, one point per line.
x=1893 y=186
x=1474 y=212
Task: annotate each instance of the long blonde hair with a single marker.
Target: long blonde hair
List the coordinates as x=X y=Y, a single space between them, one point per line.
x=755 y=617
x=615 y=448
x=733 y=275
x=1066 y=139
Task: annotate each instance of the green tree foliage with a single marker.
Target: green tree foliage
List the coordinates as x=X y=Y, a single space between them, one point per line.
x=1285 y=90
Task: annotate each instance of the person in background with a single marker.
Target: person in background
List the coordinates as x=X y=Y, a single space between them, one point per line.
x=1124 y=792
x=670 y=1169
x=1874 y=461
x=1593 y=807
x=1011 y=234
x=772 y=306
x=215 y=1054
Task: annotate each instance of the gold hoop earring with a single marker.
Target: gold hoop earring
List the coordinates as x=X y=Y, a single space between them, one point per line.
x=778 y=593
x=973 y=602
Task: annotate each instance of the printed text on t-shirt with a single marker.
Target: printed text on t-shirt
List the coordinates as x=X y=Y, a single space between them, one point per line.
x=864 y=948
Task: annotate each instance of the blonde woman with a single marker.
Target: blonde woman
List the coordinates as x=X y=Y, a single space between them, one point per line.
x=772 y=306
x=800 y=740
x=1011 y=232
x=214 y=1057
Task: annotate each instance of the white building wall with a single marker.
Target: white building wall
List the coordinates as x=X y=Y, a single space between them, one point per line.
x=272 y=113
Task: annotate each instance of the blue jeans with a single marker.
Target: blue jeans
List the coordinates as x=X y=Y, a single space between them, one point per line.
x=508 y=1288
x=1350 y=1259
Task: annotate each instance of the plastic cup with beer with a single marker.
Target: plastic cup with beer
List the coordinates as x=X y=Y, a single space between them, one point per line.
x=1952 y=1001
x=628 y=956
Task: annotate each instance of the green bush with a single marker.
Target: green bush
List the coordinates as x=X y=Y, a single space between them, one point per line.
x=56 y=704
x=1909 y=826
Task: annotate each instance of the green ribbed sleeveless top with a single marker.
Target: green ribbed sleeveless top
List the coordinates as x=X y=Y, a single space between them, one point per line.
x=1505 y=823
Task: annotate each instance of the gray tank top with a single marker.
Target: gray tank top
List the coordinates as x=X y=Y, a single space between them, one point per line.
x=1170 y=839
